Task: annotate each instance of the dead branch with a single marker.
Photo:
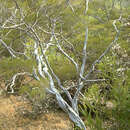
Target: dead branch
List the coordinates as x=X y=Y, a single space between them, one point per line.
x=13 y=80
x=86 y=6
x=107 y=49
x=8 y=48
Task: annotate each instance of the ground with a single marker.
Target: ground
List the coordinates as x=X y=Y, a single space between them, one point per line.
x=15 y=114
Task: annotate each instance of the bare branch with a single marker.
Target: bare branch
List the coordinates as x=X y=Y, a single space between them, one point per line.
x=68 y=2
x=67 y=41
x=80 y=83
x=95 y=80
x=44 y=66
x=8 y=48
x=85 y=81
x=11 y=51
x=55 y=76
x=65 y=54
x=13 y=80
x=84 y=54
x=106 y=51
x=86 y=6
x=62 y=103
x=12 y=27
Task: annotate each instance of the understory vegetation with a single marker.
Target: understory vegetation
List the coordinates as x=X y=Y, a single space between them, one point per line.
x=45 y=39
x=106 y=105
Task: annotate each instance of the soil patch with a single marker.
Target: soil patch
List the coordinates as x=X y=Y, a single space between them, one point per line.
x=16 y=114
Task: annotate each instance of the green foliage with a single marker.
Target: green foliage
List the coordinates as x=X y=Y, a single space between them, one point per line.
x=29 y=48
x=62 y=67
x=9 y=67
x=106 y=105
x=104 y=102
x=35 y=91
x=99 y=21
x=91 y=108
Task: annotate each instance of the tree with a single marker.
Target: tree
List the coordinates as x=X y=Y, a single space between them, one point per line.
x=37 y=30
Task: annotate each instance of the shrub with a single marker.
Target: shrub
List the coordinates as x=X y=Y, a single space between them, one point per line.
x=106 y=105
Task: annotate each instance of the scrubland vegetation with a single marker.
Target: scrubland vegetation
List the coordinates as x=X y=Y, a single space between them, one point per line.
x=76 y=50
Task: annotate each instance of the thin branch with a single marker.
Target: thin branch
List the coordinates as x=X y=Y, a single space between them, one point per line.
x=8 y=48
x=84 y=55
x=80 y=83
x=13 y=80
x=95 y=80
x=106 y=51
x=11 y=51
x=68 y=2
x=12 y=27
x=85 y=81
x=67 y=41
x=86 y=6
x=65 y=54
